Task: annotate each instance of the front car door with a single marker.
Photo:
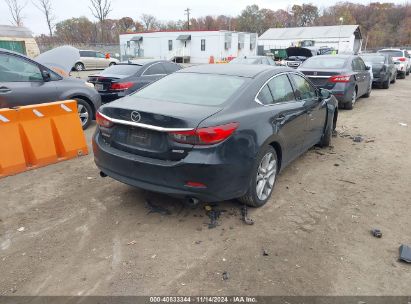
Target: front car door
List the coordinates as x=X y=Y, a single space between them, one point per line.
x=22 y=83
x=316 y=110
x=362 y=76
x=287 y=115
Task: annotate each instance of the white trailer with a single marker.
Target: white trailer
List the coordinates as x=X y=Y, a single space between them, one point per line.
x=190 y=46
x=344 y=38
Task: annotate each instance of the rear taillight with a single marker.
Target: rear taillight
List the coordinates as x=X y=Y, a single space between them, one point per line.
x=340 y=78
x=120 y=86
x=103 y=121
x=401 y=59
x=205 y=136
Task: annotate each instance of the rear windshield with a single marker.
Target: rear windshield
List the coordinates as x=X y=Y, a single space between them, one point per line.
x=121 y=70
x=242 y=60
x=190 y=88
x=392 y=53
x=324 y=63
x=374 y=59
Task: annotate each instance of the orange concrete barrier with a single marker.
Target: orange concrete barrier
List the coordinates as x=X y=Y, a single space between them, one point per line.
x=38 y=135
x=211 y=60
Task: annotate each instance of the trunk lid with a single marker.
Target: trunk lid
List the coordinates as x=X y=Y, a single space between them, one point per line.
x=320 y=77
x=146 y=132
x=103 y=83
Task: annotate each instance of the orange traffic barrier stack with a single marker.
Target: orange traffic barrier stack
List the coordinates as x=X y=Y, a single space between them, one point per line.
x=39 y=135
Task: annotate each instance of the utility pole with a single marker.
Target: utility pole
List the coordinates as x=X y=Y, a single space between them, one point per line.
x=187 y=12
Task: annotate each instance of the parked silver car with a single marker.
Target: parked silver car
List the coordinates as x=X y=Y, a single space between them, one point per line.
x=93 y=60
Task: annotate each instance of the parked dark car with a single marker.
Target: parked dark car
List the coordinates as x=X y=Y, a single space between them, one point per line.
x=383 y=68
x=346 y=76
x=125 y=78
x=24 y=81
x=296 y=56
x=253 y=60
x=213 y=132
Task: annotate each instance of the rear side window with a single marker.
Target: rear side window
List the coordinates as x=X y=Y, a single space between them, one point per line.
x=265 y=96
x=155 y=69
x=281 y=89
x=16 y=69
x=171 y=67
x=87 y=54
x=303 y=88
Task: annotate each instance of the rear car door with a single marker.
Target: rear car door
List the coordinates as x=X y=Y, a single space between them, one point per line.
x=101 y=61
x=22 y=83
x=316 y=110
x=286 y=113
x=152 y=73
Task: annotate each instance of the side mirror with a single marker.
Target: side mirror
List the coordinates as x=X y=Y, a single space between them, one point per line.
x=46 y=75
x=367 y=67
x=325 y=94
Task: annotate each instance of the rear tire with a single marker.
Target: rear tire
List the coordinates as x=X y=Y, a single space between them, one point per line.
x=264 y=175
x=85 y=113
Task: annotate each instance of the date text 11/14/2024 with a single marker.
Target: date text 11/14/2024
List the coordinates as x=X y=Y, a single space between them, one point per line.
x=203 y=299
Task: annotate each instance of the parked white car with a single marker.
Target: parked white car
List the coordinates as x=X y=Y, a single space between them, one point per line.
x=93 y=60
x=403 y=61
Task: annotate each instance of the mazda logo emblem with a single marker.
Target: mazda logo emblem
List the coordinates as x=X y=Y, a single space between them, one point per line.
x=135 y=116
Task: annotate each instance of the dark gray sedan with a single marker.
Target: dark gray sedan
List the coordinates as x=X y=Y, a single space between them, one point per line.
x=346 y=76
x=213 y=132
x=125 y=78
x=383 y=68
x=24 y=81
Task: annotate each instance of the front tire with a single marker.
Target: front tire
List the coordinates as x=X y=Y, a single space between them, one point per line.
x=263 y=178
x=85 y=113
x=79 y=67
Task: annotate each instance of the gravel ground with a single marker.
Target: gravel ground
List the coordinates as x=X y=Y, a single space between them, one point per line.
x=84 y=235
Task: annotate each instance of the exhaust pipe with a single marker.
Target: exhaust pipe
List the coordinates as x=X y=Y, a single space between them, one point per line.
x=192 y=201
x=102 y=174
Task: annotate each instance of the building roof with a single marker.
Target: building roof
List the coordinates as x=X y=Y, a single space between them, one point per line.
x=312 y=32
x=15 y=31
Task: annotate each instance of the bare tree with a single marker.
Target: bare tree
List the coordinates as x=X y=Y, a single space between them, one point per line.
x=149 y=22
x=45 y=7
x=100 y=10
x=16 y=8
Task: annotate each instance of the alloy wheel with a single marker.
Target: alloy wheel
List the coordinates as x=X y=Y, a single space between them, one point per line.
x=83 y=114
x=354 y=96
x=266 y=174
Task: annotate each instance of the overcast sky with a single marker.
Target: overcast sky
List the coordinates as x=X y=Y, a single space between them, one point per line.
x=162 y=9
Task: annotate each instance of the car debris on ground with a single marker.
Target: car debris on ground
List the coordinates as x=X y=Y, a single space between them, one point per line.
x=376 y=233
x=405 y=253
x=156 y=209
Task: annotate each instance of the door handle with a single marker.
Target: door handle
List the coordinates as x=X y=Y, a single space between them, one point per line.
x=4 y=90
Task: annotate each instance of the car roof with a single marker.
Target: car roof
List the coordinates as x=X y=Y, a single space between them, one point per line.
x=390 y=50
x=374 y=54
x=242 y=70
